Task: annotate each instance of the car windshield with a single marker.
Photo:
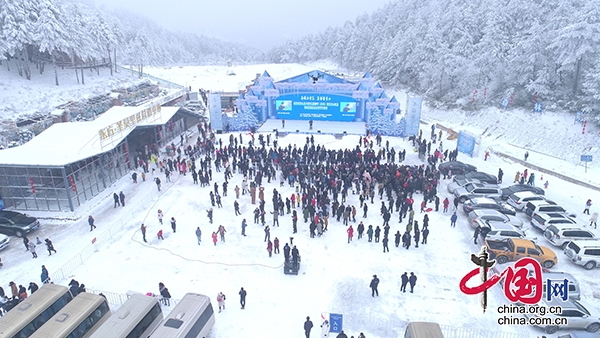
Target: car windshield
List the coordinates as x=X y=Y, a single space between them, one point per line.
x=538 y=248
x=470 y=187
x=574 y=247
x=581 y=308
x=461 y=182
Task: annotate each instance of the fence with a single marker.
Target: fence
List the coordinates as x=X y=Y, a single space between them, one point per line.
x=462 y=332
x=115 y=300
x=159 y=80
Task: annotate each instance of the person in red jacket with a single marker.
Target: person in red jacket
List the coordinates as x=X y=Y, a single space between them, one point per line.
x=446 y=204
x=214 y=237
x=270 y=247
x=276 y=245
x=350 y=233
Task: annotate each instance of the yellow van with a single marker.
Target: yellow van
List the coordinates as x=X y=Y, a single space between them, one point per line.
x=423 y=330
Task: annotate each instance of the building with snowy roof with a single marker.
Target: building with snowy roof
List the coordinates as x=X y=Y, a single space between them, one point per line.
x=70 y=163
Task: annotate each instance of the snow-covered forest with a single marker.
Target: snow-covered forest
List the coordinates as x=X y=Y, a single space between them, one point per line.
x=540 y=50
x=68 y=34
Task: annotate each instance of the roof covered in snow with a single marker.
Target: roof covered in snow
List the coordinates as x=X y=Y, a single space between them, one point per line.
x=65 y=143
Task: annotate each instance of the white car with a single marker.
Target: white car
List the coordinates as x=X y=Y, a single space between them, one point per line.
x=519 y=200
x=4 y=241
x=461 y=183
x=496 y=230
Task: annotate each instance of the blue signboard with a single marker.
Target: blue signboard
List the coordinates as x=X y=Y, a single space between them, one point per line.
x=586 y=158
x=504 y=103
x=335 y=322
x=579 y=116
x=316 y=107
x=466 y=143
x=413 y=116
x=538 y=107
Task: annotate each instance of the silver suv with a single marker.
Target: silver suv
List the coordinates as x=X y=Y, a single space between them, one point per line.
x=584 y=253
x=562 y=234
x=473 y=190
x=519 y=199
x=577 y=315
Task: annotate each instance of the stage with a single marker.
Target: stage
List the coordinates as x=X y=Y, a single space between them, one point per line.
x=319 y=127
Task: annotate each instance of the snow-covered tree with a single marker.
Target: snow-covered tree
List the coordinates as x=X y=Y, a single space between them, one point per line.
x=244 y=120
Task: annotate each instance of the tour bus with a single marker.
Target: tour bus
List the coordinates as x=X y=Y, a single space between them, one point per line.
x=192 y=317
x=78 y=319
x=423 y=330
x=138 y=317
x=29 y=315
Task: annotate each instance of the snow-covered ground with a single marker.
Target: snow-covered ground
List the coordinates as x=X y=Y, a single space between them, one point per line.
x=20 y=97
x=334 y=275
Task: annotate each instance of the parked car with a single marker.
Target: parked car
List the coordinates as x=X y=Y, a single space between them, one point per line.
x=562 y=234
x=546 y=206
x=455 y=168
x=4 y=241
x=16 y=223
x=473 y=190
x=577 y=315
x=521 y=187
x=574 y=291
x=541 y=221
x=519 y=199
x=488 y=203
x=460 y=183
x=513 y=249
x=581 y=334
x=483 y=177
x=492 y=215
x=584 y=253
x=495 y=230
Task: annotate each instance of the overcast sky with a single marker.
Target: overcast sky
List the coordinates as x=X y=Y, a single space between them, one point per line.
x=262 y=23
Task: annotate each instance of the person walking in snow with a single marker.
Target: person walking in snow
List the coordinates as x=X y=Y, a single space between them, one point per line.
x=373 y=286
x=143 y=228
x=122 y=198
x=594 y=219
x=404 y=279
x=308 y=325
x=32 y=249
x=370 y=233
x=244 y=225
x=588 y=204
x=350 y=232
x=159 y=234
x=214 y=238
x=157 y=180
x=270 y=247
x=173 y=224
x=222 y=232
x=49 y=246
x=412 y=280
x=377 y=233
x=243 y=294
x=425 y=234
x=453 y=219
x=160 y=216
x=446 y=203
x=198 y=234
x=91 y=223
x=267 y=233
x=221 y=301
x=517 y=177
x=116 y=198
x=385 y=244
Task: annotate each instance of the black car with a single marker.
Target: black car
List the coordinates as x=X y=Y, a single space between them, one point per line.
x=16 y=223
x=456 y=168
x=482 y=177
x=521 y=187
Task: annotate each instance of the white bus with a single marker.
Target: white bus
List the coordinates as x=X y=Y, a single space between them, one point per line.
x=138 y=317
x=192 y=317
x=78 y=319
x=29 y=315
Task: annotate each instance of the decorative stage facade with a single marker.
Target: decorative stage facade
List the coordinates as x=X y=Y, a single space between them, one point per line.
x=319 y=96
